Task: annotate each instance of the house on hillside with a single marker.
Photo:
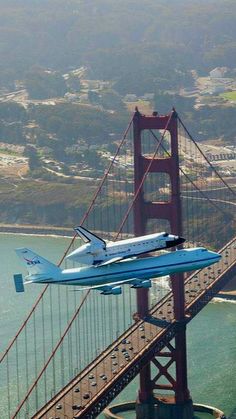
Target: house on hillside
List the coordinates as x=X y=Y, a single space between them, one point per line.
x=218 y=72
x=148 y=96
x=130 y=97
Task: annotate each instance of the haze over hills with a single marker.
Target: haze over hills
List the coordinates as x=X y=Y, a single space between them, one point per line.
x=72 y=71
x=117 y=39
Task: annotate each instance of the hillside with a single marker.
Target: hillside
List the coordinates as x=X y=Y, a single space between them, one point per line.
x=131 y=42
x=71 y=74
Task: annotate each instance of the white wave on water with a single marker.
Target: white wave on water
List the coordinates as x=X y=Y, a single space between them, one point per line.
x=222 y=300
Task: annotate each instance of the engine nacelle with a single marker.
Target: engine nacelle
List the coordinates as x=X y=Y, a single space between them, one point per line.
x=142 y=284
x=112 y=291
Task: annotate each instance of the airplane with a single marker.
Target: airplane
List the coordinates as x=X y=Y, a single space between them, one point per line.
x=109 y=278
x=97 y=251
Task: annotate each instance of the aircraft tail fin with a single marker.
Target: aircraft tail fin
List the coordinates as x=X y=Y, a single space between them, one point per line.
x=87 y=236
x=35 y=264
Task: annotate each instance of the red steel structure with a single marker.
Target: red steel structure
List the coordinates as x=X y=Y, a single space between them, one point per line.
x=171 y=211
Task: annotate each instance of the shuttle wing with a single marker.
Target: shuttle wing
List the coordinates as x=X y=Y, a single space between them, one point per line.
x=89 y=237
x=108 y=262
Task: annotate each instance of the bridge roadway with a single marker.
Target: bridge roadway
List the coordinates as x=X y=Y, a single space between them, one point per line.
x=94 y=388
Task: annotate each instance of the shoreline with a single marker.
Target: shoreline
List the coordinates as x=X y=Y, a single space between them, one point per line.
x=37 y=230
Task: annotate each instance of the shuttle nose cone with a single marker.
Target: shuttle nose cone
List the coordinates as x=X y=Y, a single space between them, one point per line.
x=178 y=240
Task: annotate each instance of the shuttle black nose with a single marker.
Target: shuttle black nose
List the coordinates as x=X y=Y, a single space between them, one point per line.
x=180 y=240
x=176 y=242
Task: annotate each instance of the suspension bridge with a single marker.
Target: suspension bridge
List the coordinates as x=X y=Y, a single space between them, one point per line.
x=76 y=351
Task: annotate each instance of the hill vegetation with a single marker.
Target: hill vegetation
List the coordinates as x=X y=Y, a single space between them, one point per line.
x=129 y=46
x=134 y=43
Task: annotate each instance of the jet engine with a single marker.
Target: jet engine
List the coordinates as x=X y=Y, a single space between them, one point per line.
x=112 y=291
x=142 y=284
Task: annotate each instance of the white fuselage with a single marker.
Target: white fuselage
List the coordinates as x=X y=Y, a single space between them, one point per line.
x=145 y=268
x=95 y=253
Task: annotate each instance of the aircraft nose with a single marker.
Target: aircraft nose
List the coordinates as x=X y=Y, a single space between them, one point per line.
x=217 y=255
x=180 y=240
x=175 y=242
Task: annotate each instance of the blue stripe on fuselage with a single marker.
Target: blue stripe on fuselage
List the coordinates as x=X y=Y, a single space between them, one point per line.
x=125 y=272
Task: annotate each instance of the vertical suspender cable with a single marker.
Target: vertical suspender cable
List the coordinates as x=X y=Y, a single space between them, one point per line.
x=44 y=350
x=52 y=341
x=35 y=359
x=17 y=373
x=26 y=359
x=8 y=387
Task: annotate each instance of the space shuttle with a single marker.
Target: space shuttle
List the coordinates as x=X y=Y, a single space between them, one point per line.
x=98 y=252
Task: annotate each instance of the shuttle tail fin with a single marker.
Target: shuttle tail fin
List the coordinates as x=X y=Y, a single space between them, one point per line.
x=87 y=236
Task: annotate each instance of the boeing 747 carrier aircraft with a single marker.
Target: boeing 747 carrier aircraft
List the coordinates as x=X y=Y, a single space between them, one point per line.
x=109 y=278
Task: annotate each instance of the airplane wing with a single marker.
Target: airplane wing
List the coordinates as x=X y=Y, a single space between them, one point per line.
x=102 y=286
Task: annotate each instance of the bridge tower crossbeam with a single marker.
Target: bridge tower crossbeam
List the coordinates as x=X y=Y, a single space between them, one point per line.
x=171 y=211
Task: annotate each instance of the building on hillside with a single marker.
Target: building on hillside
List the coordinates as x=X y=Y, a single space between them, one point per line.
x=218 y=72
x=148 y=96
x=130 y=97
x=216 y=90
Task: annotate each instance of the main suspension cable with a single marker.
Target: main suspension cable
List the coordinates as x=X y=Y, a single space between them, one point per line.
x=205 y=157
x=190 y=180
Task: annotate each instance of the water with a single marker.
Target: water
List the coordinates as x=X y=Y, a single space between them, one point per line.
x=211 y=335
x=131 y=415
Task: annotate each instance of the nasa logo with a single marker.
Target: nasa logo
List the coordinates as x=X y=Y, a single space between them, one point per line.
x=33 y=261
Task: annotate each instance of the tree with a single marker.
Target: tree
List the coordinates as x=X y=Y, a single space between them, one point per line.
x=32 y=154
x=44 y=84
x=73 y=83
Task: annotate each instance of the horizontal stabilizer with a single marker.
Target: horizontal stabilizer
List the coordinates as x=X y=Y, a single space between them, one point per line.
x=19 y=286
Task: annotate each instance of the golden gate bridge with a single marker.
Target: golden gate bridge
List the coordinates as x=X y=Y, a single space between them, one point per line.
x=76 y=351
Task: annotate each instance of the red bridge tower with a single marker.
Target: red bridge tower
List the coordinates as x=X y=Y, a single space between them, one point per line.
x=178 y=403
